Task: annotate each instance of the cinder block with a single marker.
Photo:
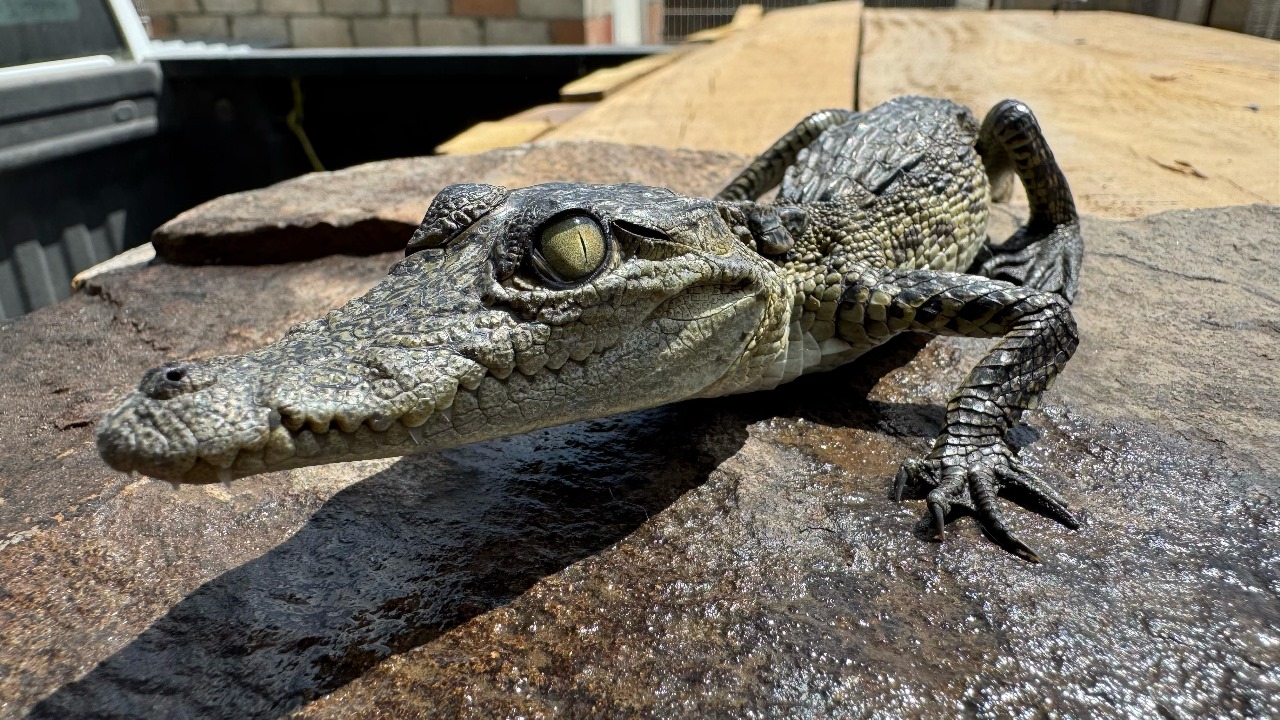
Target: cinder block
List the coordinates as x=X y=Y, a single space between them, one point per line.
x=383 y=32
x=319 y=32
x=449 y=31
x=231 y=7
x=551 y=9
x=354 y=7
x=160 y=26
x=483 y=8
x=568 y=32
x=202 y=26
x=501 y=31
x=291 y=7
x=418 y=7
x=274 y=30
x=156 y=7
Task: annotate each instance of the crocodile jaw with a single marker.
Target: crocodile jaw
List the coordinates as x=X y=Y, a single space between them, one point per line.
x=446 y=350
x=257 y=417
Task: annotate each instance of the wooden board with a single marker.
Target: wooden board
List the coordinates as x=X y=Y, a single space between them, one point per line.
x=739 y=93
x=606 y=81
x=1145 y=115
x=493 y=134
x=523 y=127
x=744 y=17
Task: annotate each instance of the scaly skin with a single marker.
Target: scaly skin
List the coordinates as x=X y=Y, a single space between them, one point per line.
x=498 y=322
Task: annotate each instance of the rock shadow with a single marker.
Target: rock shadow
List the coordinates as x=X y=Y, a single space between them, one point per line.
x=409 y=553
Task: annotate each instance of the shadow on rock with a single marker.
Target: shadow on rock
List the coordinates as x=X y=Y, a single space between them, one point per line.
x=405 y=555
x=399 y=558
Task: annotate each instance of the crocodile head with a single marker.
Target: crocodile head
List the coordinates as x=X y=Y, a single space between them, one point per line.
x=512 y=310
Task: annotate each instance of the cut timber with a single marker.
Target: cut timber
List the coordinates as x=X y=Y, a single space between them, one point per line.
x=739 y=94
x=494 y=134
x=606 y=81
x=1145 y=115
x=744 y=17
x=520 y=128
x=552 y=113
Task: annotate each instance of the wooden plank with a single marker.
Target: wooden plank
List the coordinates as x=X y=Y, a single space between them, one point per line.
x=523 y=127
x=606 y=81
x=739 y=94
x=493 y=134
x=744 y=17
x=1145 y=115
x=551 y=113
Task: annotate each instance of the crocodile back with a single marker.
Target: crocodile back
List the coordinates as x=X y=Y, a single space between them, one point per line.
x=899 y=185
x=864 y=156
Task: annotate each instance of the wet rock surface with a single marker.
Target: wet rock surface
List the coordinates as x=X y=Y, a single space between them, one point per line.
x=724 y=558
x=372 y=208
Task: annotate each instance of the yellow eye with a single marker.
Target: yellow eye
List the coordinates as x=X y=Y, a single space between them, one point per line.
x=571 y=248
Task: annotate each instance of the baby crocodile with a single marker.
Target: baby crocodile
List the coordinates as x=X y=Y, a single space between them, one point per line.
x=520 y=309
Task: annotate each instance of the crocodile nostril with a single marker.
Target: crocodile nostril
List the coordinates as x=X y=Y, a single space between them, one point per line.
x=173 y=379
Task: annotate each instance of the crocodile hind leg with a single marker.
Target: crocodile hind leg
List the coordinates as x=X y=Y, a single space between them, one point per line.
x=1046 y=252
x=766 y=171
x=971 y=462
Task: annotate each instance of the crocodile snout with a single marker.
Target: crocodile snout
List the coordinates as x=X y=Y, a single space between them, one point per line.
x=176 y=378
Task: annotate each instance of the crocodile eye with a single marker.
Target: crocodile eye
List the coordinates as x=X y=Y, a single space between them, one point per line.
x=570 y=249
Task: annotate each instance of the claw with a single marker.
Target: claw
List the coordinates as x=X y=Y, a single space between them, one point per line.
x=1006 y=540
x=900 y=483
x=974 y=488
x=1046 y=497
x=939 y=520
x=1025 y=552
x=980 y=486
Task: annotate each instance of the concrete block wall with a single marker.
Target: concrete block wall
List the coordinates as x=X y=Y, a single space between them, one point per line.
x=399 y=23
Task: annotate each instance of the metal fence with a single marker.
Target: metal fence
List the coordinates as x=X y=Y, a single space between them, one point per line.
x=1255 y=17
x=682 y=18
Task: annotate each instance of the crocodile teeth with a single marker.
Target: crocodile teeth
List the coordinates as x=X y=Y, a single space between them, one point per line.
x=318 y=420
x=280 y=446
x=416 y=434
x=418 y=416
x=348 y=423
x=307 y=445
x=292 y=419
x=221 y=459
x=446 y=395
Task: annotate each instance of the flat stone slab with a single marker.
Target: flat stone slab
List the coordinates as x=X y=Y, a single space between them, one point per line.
x=721 y=558
x=372 y=208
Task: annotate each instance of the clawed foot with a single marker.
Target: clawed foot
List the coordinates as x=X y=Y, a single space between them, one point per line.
x=1045 y=261
x=954 y=484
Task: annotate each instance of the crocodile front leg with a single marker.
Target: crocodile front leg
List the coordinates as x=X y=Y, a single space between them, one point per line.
x=971 y=462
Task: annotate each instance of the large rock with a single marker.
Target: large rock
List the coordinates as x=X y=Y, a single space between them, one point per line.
x=372 y=208
x=723 y=558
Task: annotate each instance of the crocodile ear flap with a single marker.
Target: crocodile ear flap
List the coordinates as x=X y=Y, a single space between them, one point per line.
x=454 y=209
x=773 y=228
